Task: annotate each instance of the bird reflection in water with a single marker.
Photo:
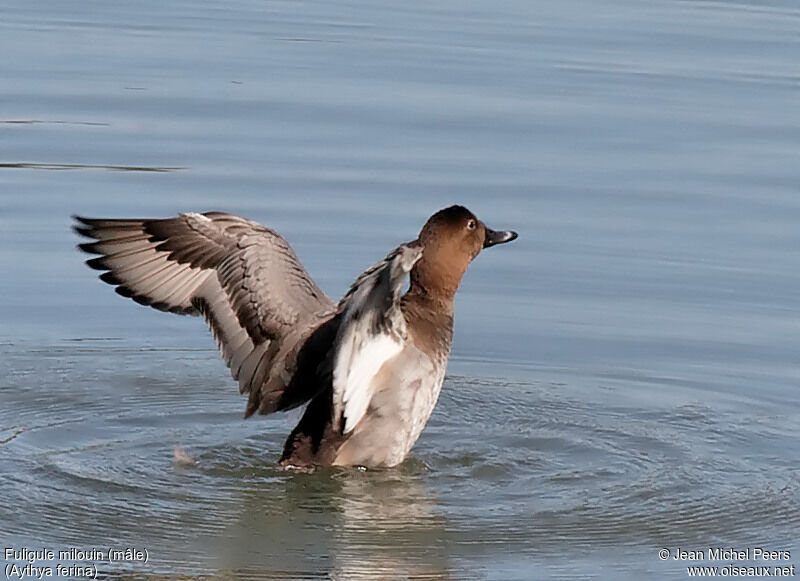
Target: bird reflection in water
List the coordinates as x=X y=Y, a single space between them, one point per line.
x=338 y=524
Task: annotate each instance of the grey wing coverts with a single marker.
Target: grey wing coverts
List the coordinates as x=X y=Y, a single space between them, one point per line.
x=244 y=278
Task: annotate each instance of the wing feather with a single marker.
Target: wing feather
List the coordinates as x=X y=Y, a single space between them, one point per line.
x=372 y=331
x=243 y=278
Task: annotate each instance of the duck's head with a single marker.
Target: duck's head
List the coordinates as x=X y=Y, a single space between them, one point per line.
x=451 y=239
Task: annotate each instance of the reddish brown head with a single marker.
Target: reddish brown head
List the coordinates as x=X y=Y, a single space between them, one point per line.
x=451 y=239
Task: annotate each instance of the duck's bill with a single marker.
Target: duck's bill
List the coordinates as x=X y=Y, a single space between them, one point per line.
x=494 y=237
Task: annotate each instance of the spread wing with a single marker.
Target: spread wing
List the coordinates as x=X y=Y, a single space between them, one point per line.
x=243 y=278
x=372 y=330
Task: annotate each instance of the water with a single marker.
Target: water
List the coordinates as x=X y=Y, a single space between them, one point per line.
x=624 y=376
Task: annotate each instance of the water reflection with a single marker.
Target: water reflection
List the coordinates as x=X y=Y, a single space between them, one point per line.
x=339 y=524
x=389 y=528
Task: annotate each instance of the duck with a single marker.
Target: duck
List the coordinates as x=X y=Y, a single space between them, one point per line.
x=368 y=369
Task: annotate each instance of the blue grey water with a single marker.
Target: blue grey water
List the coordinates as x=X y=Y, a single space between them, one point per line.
x=624 y=376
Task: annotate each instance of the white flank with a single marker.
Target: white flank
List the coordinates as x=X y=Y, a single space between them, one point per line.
x=371 y=304
x=358 y=360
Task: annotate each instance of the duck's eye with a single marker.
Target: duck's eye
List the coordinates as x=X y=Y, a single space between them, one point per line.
x=471 y=225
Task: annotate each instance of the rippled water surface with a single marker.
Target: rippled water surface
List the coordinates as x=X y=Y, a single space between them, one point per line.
x=624 y=376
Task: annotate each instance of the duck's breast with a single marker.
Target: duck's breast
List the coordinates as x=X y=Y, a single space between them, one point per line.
x=405 y=391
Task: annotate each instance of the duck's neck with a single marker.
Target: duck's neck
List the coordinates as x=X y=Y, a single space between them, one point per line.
x=433 y=295
x=431 y=283
x=430 y=321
